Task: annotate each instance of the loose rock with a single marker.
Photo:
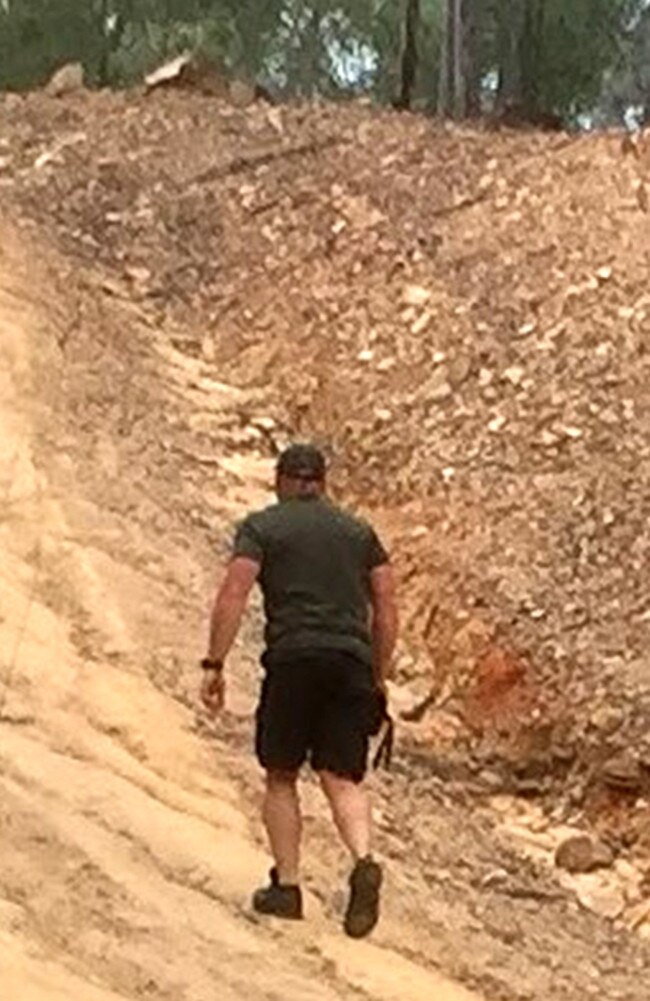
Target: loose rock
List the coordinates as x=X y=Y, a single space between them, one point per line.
x=66 y=80
x=600 y=897
x=582 y=853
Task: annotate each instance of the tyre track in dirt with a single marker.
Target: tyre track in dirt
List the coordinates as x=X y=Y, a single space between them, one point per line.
x=127 y=850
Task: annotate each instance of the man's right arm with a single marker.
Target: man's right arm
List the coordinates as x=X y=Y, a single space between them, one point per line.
x=385 y=622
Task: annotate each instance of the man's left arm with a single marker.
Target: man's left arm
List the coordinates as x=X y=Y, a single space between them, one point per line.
x=385 y=623
x=227 y=613
x=385 y=617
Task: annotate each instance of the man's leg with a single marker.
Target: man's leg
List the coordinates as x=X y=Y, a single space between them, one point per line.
x=350 y=804
x=341 y=758
x=351 y=810
x=283 y=823
x=281 y=742
x=283 y=897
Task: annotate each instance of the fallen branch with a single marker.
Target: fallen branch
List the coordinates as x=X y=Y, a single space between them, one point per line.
x=240 y=164
x=465 y=203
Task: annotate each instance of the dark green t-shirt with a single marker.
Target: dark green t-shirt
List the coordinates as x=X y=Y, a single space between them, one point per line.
x=315 y=563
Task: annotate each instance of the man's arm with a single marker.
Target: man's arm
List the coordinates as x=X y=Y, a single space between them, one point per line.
x=227 y=613
x=385 y=622
x=230 y=605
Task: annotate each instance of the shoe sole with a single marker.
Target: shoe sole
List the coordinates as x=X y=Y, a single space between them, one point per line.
x=280 y=917
x=363 y=910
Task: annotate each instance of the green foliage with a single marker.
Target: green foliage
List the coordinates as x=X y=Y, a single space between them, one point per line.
x=578 y=43
x=147 y=33
x=36 y=36
x=627 y=85
x=549 y=55
x=117 y=40
x=387 y=39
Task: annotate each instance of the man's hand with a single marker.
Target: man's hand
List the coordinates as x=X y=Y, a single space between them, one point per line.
x=213 y=692
x=227 y=613
x=381 y=684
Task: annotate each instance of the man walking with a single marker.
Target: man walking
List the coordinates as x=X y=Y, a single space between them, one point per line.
x=331 y=630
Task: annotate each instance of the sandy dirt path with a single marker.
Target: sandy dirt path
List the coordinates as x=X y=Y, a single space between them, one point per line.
x=127 y=849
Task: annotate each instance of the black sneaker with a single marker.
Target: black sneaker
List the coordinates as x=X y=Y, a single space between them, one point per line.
x=280 y=901
x=363 y=909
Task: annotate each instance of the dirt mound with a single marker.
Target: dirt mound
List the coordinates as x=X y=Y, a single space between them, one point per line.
x=461 y=317
x=168 y=321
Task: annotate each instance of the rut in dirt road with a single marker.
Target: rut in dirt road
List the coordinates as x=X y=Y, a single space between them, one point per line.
x=130 y=842
x=127 y=853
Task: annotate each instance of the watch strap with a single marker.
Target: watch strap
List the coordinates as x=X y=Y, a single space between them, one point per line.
x=211 y=665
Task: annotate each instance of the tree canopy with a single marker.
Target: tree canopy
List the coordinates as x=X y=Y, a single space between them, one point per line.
x=532 y=58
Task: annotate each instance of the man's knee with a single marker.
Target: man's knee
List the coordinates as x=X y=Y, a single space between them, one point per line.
x=277 y=779
x=334 y=784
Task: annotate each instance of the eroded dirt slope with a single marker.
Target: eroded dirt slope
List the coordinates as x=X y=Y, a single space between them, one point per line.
x=185 y=286
x=129 y=833
x=127 y=852
x=461 y=316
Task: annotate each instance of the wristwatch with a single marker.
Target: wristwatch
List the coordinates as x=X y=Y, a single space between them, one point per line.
x=211 y=665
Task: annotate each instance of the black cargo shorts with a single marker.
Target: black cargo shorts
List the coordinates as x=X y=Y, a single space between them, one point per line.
x=318 y=706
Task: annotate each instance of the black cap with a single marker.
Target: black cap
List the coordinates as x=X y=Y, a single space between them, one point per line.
x=303 y=462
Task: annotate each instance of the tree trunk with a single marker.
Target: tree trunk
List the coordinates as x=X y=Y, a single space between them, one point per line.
x=510 y=17
x=531 y=56
x=472 y=64
x=449 y=61
x=308 y=63
x=460 y=73
x=459 y=107
x=410 y=55
x=103 y=70
x=444 y=81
